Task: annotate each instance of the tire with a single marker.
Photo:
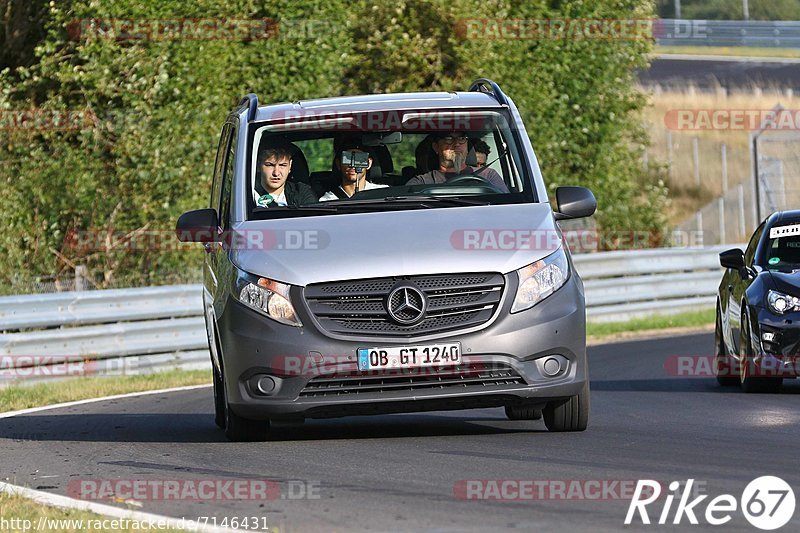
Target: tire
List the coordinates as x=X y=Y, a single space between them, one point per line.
x=751 y=384
x=571 y=414
x=219 y=401
x=722 y=363
x=523 y=412
x=240 y=429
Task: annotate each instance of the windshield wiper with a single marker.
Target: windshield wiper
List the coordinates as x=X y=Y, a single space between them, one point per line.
x=454 y=200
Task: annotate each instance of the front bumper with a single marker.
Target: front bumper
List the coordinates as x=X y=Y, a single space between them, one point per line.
x=298 y=359
x=780 y=355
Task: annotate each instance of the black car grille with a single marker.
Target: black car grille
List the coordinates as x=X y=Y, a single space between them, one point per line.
x=464 y=377
x=455 y=301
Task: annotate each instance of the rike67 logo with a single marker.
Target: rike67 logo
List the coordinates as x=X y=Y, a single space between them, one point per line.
x=767 y=503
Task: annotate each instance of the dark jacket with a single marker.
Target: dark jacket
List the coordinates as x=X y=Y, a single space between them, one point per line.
x=297 y=193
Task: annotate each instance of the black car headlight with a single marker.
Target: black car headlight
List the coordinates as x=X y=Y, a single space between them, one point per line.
x=539 y=280
x=268 y=297
x=780 y=303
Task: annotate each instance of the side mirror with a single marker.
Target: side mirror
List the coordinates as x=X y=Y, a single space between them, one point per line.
x=200 y=225
x=574 y=202
x=733 y=258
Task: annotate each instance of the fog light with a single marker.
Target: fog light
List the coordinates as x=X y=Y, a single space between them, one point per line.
x=263 y=385
x=768 y=337
x=552 y=366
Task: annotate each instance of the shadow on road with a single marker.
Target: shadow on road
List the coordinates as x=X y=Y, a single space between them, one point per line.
x=790 y=386
x=199 y=427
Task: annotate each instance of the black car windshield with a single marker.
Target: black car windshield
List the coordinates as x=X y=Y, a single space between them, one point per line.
x=318 y=166
x=782 y=249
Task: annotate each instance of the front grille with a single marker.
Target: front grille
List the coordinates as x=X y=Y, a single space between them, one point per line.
x=455 y=301
x=409 y=380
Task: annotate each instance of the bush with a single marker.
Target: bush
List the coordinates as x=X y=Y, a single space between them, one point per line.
x=145 y=149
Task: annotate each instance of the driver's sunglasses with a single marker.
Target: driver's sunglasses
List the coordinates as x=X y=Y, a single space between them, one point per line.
x=450 y=140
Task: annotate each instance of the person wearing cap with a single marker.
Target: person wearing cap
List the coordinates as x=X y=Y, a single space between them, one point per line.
x=275 y=164
x=451 y=150
x=351 y=179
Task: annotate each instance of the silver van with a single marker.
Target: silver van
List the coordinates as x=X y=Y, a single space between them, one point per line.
x=388 y=253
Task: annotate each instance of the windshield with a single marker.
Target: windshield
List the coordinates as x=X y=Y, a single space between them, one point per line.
x=313 y=165
x=783 y=247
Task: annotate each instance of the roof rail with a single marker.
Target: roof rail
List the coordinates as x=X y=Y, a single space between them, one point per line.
x=251 y=101
x=484 y=85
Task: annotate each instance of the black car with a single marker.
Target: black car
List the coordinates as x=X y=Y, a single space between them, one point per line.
x=757 y=339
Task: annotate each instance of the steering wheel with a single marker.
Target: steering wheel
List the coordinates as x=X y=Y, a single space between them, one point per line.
x=472 y=179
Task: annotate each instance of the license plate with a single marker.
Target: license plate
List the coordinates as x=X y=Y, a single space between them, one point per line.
x=433 y=355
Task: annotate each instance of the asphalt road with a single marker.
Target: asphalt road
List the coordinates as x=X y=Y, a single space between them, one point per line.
x=731 y=74
x=398 y=472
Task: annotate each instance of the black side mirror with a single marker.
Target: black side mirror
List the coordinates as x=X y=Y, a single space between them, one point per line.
x=733 y=258
x=574 y=202
x=200 y=225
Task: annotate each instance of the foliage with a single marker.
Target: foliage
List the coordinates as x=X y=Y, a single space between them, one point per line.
x=145 y=151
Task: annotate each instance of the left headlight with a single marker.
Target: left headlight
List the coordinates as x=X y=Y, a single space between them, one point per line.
x=539 y=280
x=270 y=298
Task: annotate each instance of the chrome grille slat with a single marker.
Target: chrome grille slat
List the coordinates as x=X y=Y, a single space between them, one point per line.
x=455 y=301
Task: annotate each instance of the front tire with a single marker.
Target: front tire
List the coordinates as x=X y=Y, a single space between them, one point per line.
x=748 y=382
x=240 y=429
x=722 y=362
x=571 y=414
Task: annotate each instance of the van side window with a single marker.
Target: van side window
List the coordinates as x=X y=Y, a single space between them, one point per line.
x=227 y=180
x=216 y=186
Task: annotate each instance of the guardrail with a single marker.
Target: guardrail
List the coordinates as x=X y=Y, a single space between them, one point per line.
x=756 y=33
x=144 y=330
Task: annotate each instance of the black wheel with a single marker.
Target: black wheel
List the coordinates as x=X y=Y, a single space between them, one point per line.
x=240 y=429
x=523 y=412
x=748 y=382
x=722 y=363
x=571 y=414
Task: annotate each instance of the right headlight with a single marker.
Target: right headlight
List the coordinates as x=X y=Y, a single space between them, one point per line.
x=539 y=280
x=270 y=298
x=780 y=303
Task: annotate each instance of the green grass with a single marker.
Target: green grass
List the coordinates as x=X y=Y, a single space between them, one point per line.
x=24 y=396
x=728 y=51
x=22 y=512
x=595 y=331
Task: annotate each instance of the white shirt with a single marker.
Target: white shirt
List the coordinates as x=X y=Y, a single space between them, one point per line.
x=367 y=186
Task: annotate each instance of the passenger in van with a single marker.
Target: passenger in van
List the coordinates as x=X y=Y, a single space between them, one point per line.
x=275 y=164
x=482 y=151
x=452 y=149
x=349 y=177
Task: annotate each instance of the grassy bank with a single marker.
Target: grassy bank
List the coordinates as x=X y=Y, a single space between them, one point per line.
x=736 y=51
x=597 y=333
x=24 y=396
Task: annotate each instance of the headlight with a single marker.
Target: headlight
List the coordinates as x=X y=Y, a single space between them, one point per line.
x=539 y=280
x=782 y=303
x=270 y=298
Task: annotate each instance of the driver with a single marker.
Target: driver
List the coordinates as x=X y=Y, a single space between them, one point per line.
x=451 y=149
